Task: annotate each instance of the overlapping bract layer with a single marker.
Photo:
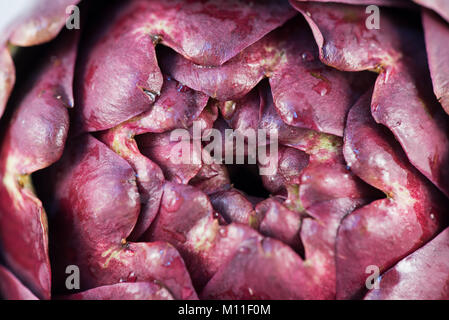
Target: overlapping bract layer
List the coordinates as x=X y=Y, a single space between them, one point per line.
x=361 y=177
x=40 y=23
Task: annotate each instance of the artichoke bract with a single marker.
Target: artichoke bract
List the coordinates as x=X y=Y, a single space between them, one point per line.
x=188 y=149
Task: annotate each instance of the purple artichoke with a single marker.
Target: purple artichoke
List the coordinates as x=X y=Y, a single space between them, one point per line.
x=236 y=149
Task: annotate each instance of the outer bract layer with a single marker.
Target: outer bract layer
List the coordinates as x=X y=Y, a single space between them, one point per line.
x=121 y=150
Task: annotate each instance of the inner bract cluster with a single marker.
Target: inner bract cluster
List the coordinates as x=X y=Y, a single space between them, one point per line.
x=225 y=150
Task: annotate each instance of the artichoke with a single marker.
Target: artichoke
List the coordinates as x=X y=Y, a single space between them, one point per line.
x=98 y=201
